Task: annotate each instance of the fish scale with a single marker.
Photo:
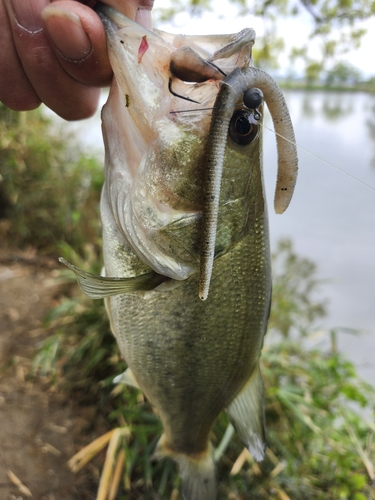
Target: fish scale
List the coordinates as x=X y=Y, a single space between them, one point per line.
x=203 y=348
x=210 y=344
x=183 y=211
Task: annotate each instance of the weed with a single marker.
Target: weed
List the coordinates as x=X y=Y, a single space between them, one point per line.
x=319 y=441
x=49 y=191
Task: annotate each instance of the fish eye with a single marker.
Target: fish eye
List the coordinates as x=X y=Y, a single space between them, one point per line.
x=243 y=127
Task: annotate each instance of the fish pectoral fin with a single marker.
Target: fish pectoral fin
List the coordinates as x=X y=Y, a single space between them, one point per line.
x=198 y=471
x=246 y=412
x=100 y=287
x=126 y=378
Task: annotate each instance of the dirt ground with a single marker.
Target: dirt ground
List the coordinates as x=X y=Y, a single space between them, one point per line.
x=40 y=429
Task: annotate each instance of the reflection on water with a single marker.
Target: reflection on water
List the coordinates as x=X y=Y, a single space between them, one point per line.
x=331 y=106
x=331 y=218
x=371 y=130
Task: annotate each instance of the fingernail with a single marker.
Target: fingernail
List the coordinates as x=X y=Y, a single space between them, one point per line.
x=143 y=17
x=27 y=15
x=67 y=33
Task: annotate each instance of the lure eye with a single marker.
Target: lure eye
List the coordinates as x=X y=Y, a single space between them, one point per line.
x=253 y=98
x=243 y=127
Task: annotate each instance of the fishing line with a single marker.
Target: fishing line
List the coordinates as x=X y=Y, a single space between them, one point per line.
x=294 y=143
x=190 y=110
x=320 y=158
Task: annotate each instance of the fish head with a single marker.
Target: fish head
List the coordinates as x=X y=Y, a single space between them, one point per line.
x=167 y=128
x=155 y=125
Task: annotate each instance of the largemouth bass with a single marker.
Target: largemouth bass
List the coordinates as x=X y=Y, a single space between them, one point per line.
x=187 y=278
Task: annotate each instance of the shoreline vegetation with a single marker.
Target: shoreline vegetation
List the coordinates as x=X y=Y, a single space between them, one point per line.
x=341 y=77
x=367 y=86
x=320 y=442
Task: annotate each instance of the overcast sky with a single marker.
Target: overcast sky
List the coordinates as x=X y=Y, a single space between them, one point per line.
x=294 y=30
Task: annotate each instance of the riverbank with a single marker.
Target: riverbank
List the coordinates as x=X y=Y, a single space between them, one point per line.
x=368 y=87
x=40 y=427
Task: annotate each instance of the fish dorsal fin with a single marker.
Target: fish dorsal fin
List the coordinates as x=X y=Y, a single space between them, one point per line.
x=100 y=287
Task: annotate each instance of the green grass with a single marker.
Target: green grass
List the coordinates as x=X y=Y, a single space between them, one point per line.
x=319 y=441
x=49 y=190
x=319 y=413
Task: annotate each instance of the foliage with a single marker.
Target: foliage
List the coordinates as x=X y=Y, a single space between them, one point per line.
x=342 y=73
x=49 y=191
x=294 y=307
x=319 y=443
x=335 y=27
x=320 y=446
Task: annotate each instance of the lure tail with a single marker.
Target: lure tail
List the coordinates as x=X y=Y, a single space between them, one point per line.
x=198 y=471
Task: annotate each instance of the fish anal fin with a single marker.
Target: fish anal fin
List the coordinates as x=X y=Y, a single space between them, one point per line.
x=246 y=412
x=197 y=471
x=126 y=378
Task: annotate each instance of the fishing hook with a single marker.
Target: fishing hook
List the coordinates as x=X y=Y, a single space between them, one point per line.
x=178 y=95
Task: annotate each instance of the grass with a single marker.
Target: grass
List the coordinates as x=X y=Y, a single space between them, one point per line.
x=319 y=440
x=319 y=413
x=49 y=191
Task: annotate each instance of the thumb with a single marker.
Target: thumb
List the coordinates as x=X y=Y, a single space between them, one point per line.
x=137 y=10
x=77 y=38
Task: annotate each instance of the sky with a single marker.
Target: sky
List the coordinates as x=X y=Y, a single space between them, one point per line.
x=293 y=30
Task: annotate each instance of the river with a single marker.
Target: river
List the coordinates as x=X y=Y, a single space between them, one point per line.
x=331 y=219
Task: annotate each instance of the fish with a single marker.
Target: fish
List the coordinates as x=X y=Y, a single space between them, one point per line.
x=187 y=271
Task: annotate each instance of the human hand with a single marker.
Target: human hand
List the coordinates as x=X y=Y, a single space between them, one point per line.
x=54 y=51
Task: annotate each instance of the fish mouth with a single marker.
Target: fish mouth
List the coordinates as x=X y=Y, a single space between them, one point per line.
x=147 y=66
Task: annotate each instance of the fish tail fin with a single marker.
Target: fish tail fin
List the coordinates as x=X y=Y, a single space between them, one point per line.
x=198 y=471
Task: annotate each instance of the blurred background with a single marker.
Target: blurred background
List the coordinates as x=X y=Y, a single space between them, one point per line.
x=313 y=48
x=57 y=356
x=322 y=55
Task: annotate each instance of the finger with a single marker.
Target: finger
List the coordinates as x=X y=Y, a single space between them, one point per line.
x=33 y=67
x=78 y=40
x=16 y=92
x=143 y=15
x=138 y=10
x=57 y=89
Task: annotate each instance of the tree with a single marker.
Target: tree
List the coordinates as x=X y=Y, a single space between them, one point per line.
x=335 y=24
x=342 y=73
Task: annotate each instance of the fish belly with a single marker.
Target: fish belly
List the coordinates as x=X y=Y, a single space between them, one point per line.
x=191 y=358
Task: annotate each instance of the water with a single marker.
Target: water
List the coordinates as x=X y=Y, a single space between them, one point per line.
x=331 y=219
